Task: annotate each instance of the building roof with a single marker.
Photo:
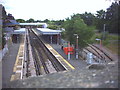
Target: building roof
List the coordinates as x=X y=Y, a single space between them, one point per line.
x=11 y=23
x=19 y=31
x=33 y=24
x=46 y=31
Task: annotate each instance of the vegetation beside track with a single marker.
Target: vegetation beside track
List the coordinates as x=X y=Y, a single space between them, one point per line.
x=111 y=42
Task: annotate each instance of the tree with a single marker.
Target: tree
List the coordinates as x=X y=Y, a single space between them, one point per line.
x=58 y=22
x=20 y=20
x=76 y=25
x=112 y=18
x=46 y=20
x=100 y=18
x=88 y=18
x=30 y=20
x=54 y=27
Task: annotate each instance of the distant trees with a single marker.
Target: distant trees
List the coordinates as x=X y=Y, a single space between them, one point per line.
x=111 y=18
x=46 y=20
x=100 y=20
x=88 y=18
x=55 y=24
x=27 y=21
x=54 y=27
x=58 y=22
x=31 y=20
x=20 y=20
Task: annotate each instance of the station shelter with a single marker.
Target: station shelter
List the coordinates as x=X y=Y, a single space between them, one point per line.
x=49 y=35
x=16 y=35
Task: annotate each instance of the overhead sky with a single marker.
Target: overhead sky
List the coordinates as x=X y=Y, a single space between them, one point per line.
x=52 y=9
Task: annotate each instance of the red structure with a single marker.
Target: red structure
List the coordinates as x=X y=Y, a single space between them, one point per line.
x=68 y=49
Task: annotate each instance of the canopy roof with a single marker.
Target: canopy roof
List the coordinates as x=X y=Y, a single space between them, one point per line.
x=33 y=24
x=19 y=31
x=46 y=31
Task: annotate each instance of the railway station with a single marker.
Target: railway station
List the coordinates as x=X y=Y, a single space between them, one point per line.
x=73 y=52
x=29 y=61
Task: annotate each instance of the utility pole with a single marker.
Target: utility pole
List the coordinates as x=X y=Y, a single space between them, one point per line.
x=104 y=26
x=104 y=31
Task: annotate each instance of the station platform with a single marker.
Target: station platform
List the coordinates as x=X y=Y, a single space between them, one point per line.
x=11 y=63
x=60 y=58
x=8 y=62
x=76 y=63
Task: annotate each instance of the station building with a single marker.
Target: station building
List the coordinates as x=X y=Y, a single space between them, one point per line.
x=48 y=35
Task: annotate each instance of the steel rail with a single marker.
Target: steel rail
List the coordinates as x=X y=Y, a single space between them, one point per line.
x=39 y=51
x=103 y=53
x=50 y=56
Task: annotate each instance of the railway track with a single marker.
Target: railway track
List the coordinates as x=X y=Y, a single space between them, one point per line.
x=96 y=58
x=44 y=61
x=107 y=56
x=98 y=53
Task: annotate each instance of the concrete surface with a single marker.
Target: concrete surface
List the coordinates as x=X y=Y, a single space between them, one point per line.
x=78 y=64
x=8 y=62
x=106 y=77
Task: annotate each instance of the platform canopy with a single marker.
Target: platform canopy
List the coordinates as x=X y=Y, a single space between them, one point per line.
x=46 y=31
x=19 y=31
x=34 y=24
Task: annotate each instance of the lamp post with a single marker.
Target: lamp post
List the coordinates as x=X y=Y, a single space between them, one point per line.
x=76 y=45
x=99 y=40
x=68 y=50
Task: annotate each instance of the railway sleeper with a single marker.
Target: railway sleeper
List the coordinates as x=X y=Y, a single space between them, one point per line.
x=51 y=58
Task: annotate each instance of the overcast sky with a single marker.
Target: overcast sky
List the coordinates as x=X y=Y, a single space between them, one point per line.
x=52 y=9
